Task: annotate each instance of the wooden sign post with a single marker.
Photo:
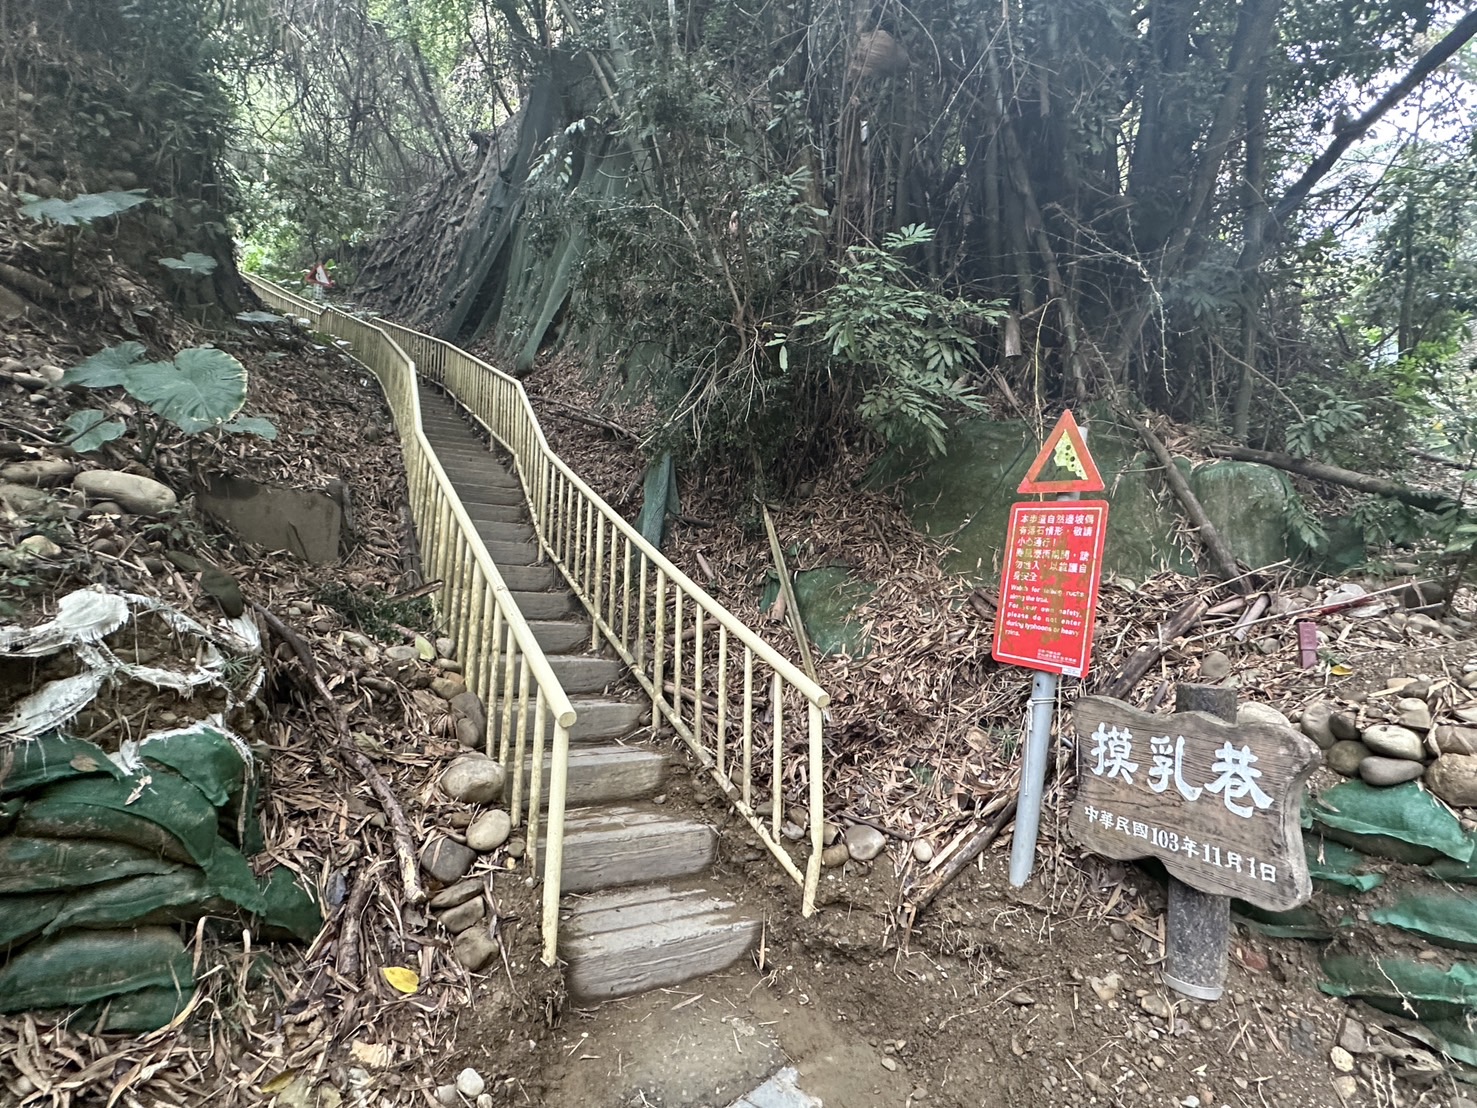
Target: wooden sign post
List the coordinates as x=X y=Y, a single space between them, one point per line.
x=1215 y=801
x=1048 y=604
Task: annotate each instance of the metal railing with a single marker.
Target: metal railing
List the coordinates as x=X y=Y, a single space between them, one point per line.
x=679 y=643
x=497 y=650
x=687 y=650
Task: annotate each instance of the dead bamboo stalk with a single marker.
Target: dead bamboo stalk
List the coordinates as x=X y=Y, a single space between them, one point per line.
x=1128 y=675
x=1210 y=538
x=1337 y=475
x=399 y=827
x=787 y=590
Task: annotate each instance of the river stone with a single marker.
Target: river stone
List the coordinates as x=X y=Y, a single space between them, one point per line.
x=38 y=471
x=474 y=948
x=1389 y=771
x=1215 y=666
x=1413 y=713
x=402 y=655
x=1343 y=726
x=140 y=495
x=459 y=893
x=835 y=855
x=1315 y=723
x=468 y=705
x=1453 y=778
x=446 y=861
x=1253 y=712
x=473 y=779
x=922 y=850
x=1394 y=742
x=1456 y=740
x=489 y=830
x=448 y=688
x=469 y=1083
x=467 y=734
x=464 y=915
x=26 y=500
x=1344 y=757
x=864 y=843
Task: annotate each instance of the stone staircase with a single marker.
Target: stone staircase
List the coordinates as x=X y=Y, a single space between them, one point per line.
x=640 y=908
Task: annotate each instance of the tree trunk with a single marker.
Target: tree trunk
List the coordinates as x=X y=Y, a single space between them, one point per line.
x=1320 y=471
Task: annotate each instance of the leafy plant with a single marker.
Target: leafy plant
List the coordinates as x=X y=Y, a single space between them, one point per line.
x=1335 y=416
x=201 y=389
x=911 y=343
x=86 y=208
x=193 y=263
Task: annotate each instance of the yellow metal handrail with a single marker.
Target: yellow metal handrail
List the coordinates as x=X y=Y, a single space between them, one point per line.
x=658 y=620
x=494 y=643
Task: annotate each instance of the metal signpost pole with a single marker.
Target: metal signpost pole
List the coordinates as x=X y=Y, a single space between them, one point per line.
x=1048 y=600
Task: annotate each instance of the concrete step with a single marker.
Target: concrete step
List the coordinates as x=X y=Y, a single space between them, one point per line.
x=650 y=937
x=509 y=553
x=531 y=578
x=497 y=530
x=494 y=513
x=471 y=489
x=632 y=845
x=603 y=775
x=560 y=636
x=483 y=468
x=546 y=605
x=583 y=673
x=599 y=720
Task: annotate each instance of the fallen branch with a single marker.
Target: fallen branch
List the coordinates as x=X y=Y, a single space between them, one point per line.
x=400 y=828
x=1210 y=538
x=1129 y=674
x=1336 y=475
x=787 y=590
x=971 y=850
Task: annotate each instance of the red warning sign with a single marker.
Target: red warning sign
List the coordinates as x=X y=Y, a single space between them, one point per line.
x=1048 y=593
x=1064 y=465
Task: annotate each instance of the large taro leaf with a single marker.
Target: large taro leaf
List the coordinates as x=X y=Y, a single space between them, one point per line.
x=107 y=367
x=91 y=428
x=194 y=263
x=84 y=208
x=203 y=388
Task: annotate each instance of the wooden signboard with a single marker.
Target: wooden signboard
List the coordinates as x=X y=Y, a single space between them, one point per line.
x=1216 y=802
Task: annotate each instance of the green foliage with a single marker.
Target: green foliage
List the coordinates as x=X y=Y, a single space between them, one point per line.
x=85 y=208
x=376 y=612
x=193 y=263
x=200 y=389
x=911 y=345
x=90 y=429
x=1335 y=417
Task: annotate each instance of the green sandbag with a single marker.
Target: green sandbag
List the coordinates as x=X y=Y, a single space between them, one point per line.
x=290 y=910
x=40 y=865
x=1446 y=919
x=24 y=917
x=1451 y=1037
x=29 y=764
x=1295 y=923
x=1457 y=873
x=1391 y=984
x=1405 y=823
x=1334 y=864
x=168 y=810
x=141 y=1010
x=10 y=811
x=75 y=967
x=204 y=757
x=133 y=899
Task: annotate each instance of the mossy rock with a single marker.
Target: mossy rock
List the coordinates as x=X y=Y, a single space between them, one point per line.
x=1249 y=505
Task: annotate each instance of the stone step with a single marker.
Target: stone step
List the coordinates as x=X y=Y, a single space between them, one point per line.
x=494 y=513
x=546 y=605
x=608 y=847
x=650 y=937
x=603 y=775
x=497 y=530
x=531 y=578
x=472 y=490
x=561 y=636
x=599 y=720
x=583 y=673
x=509 y=553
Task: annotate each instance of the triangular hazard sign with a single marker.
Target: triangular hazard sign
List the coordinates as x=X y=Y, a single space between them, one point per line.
x=1064 y=465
